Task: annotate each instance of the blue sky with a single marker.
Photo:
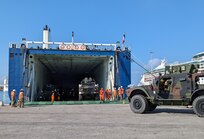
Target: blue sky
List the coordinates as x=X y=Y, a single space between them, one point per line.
x=171 y=29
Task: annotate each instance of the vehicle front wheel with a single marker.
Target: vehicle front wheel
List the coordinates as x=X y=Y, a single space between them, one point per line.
x=198 y=106
x=138 y=104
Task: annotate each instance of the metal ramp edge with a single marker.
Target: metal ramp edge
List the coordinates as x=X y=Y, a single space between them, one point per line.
x=74 y=102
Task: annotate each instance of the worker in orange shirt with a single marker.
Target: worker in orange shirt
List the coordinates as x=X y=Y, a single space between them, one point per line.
x=21 y=98
x=114 y=95
x=13 y=98
x=53 y=96
x=121 y=92
x=101 y=93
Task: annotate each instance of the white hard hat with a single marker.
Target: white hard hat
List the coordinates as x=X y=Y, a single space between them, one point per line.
x=14 y=89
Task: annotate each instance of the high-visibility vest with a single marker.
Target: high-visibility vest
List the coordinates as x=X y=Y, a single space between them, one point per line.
x=122 y=91
x=53 y=97
x=115 y=92
x=101 y=92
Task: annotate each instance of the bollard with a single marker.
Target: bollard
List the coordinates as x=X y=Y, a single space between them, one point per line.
x=1 y=103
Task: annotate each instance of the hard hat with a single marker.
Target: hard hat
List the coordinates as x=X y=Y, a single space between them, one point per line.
x=21 y=89
x=14 y=89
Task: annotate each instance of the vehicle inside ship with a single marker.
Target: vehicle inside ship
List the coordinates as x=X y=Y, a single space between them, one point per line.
x=63 y=74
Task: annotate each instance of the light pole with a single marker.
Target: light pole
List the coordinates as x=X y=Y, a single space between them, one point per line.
x=151 y=54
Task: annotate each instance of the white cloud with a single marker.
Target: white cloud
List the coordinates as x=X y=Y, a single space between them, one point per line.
x=153 y=63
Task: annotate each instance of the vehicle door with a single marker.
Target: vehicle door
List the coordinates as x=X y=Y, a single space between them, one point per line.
x=165 y=86
x=181 y=87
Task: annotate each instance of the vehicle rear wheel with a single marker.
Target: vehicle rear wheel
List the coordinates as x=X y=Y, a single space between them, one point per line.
x=198 y=106
x=80 y=97
x=138 y=104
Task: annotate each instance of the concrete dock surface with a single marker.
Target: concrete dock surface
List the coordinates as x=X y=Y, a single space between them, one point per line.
x=101 y=121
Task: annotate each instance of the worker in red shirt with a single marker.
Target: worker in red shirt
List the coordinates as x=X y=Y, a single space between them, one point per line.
x=109 y=94
x=108 y=91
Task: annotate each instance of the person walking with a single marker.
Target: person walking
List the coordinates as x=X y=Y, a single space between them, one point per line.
x=21 y=98
x=13 y=98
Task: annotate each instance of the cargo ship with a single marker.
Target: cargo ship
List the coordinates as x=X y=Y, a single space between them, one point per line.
x=39 y=67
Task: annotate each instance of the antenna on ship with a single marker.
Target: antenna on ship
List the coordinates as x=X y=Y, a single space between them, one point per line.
x=151 y=54
x=73 y=37
x=123 y=40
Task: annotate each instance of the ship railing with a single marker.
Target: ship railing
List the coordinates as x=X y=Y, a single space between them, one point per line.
x=66 y=45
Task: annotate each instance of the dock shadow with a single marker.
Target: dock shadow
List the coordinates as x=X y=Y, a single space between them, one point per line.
x=172 y=110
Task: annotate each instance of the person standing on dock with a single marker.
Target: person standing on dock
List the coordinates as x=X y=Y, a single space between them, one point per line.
x=13 y=98
x=101 y=95
x=53 y=96
x=114 y=94
x=21 y=98
x=108 y=96
x=121 y=92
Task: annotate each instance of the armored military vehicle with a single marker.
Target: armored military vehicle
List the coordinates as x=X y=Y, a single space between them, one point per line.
x=178 y=86
x=88 y=89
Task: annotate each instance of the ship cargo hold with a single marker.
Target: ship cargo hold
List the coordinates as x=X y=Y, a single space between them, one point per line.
x=39 y=67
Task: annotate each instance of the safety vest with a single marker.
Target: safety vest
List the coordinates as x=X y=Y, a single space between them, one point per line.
x=115 y=92
x=122 y=91
x=101 y=92
x=53 y=97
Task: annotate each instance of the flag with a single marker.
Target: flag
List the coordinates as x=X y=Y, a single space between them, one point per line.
x=123 y=40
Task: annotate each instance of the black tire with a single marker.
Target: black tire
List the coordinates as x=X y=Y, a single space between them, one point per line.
x=152 y=106
x=138 y=104
x=80 y=97
x=198 y=106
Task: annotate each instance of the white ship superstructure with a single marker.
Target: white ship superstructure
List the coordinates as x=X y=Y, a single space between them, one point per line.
x=5 y=85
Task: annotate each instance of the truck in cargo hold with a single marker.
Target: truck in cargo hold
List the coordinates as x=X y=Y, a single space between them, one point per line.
x=88 y=89
x=178 y=86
